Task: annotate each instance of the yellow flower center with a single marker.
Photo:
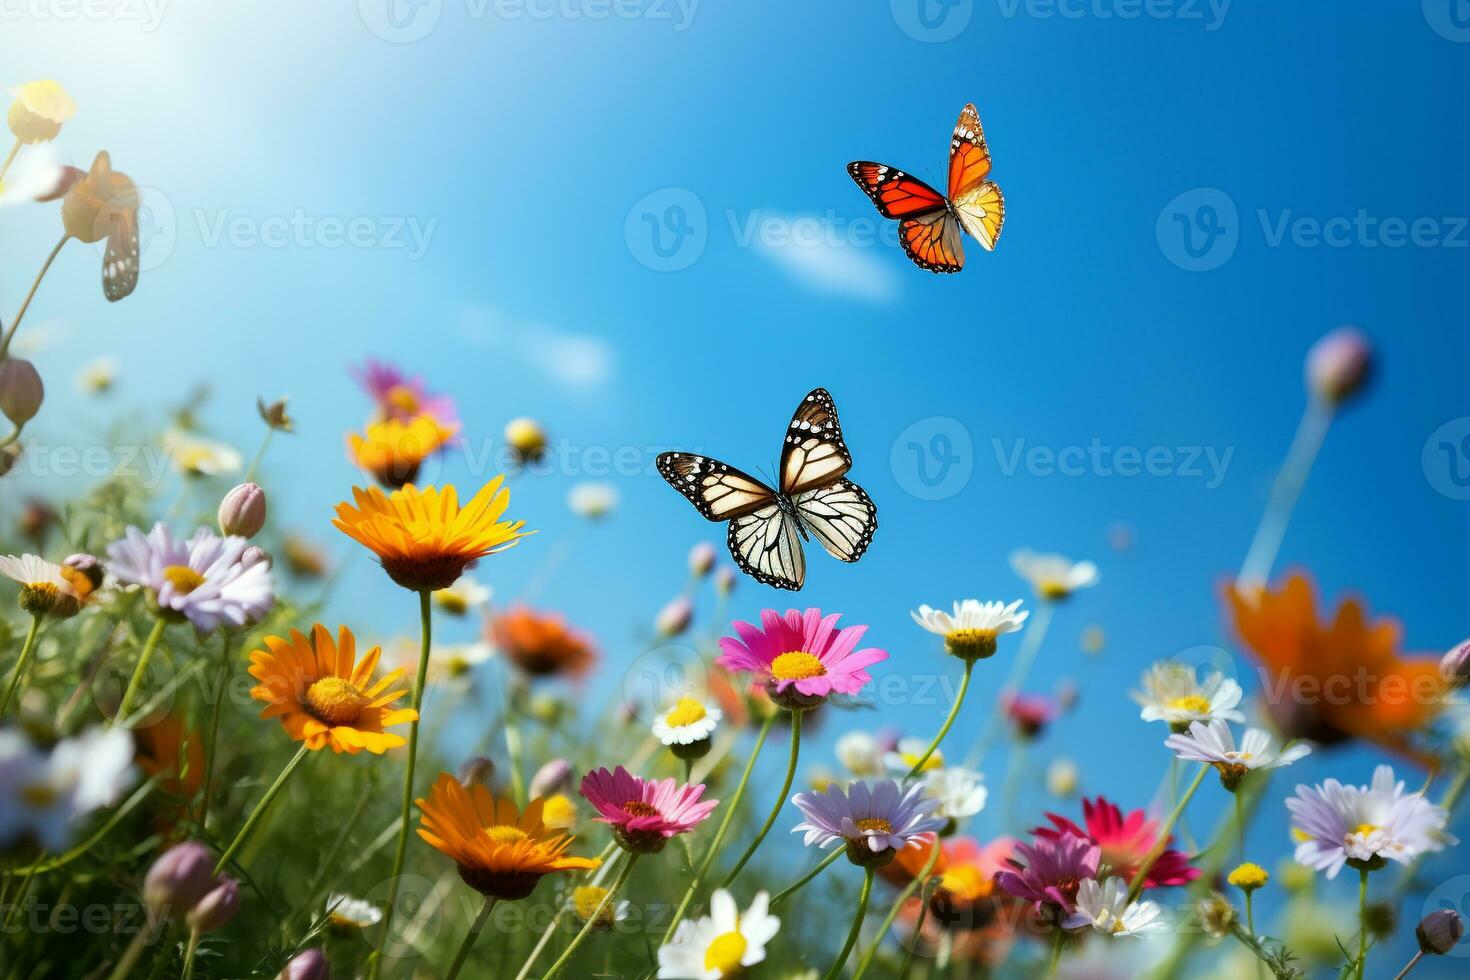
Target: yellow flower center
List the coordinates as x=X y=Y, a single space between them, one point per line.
x=1366 y=829
x=451 y=602
x=875 y=824
x=638 y=808
x=971 y=643
x=685 y=712
x=558 y=812
x=39 y=795
x=1193 y=703
x=587 y=900
x=796 y=665
x=1051 y=588
x=335 y=701
x=183 y=578
x=724 y=953
x=505 y=834
x=402 y=399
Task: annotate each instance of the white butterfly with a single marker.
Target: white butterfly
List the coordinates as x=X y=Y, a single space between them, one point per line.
x=767 y=526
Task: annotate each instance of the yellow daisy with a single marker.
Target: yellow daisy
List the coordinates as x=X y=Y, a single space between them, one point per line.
x=324 y=696
x=423 y=538
x=394 y=449
x=500 y=852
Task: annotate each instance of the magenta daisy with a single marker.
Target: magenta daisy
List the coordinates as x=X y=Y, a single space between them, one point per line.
x=644 y=814
x=1055 y=868
x=398 y=396
x=802 y=656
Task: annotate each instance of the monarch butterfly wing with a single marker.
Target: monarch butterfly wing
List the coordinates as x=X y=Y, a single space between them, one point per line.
x=120 y=260
x=894 y=193
x=969 y=157
x=813 y=454
x=841 y=516
x=766 y=546
x=982 y=211
x=717 y=490
x=932 y=241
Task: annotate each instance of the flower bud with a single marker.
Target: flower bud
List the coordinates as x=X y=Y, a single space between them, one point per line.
x=1455 y=667
x=21 y=390
x=274 y=415
x=554 y=777
x=476 y=769
x=179 y=879
x=674 y=618
x=1339 y=364
x=217 y=908
x=9 y=456
x=242 y=512
x=526 y=439
x=724 y=581
x=1062 y=777
x=308 y=965
x=39 y=110
x=702 y=559
x=1439 y=931
x=255 y=556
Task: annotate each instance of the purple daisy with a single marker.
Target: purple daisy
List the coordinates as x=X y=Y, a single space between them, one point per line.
x=209 y=580
x=1055 y=868
x=872 y=820
x=399 y=396
x=802 y=656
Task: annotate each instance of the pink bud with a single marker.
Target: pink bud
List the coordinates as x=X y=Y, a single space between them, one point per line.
x=1339 y=364
x=21 y=390
x=310 y=965
x=217 y=908
x=1455 y=667
x=702 y=558
x=724 y=581
x=554 y=777
x=242 y=512
x=674 y=618
x=179 y=879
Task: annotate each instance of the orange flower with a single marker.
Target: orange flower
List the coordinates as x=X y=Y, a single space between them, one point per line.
x=1330 y=682
x=394 y=449
x=324 y=696
x=422 y=537
x=541 y=644
x=175 y=755
x=980 y=919
x=499 y=851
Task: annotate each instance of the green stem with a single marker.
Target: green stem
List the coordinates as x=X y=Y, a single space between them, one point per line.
x=1056 y=952
x=15 y=325
x=426 y=626
x=591 y=922
x=780 y=801
x=112 y=821
x=800 y=883
x=219 y=700
x=1285 y=491
x=20 y=899
x=550 y=929
x=270 y=430
x=954 y=710
x=725 y=820
x=898 y=904
x=1362 y=921
x=9 y=159
x=129 y=958
x=1409 y=966
x=857 y=926
x=917 y=934
x=189 y=951
x=260 y=809
x=20 y=665
x=131 y=694
x=513 y=746
x=1020 y=670
x=1136 y=886
x=469 y=939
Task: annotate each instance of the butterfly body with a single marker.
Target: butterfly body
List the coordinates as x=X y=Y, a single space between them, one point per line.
x=930 y=223
x=812 y=499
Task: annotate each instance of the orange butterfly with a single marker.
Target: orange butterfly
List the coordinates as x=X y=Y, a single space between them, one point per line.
x=929 y=223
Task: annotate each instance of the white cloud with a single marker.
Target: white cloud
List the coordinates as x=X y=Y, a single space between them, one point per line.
x=575 y=359
x=828 y=264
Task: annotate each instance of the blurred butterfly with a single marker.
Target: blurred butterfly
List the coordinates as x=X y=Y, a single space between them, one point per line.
x=768 y=526
x=929 y=223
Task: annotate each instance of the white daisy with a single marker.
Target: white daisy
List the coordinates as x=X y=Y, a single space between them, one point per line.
x=97 y=375
x=722 y=944
x=971 y=630
x=1062 y=777
x=858 y=751
x=463 y=596
x=1053 y=576
x=35 y=175
x=346 y=912
x=208 y=580
x=1213 y=742
x=686 y=721
x=910 y=747
x=1173 y=692
x=960 y=792
x=43 y=586
x=43 y=795
x=1104 y=906
x=194 y=456
x=1365 y=824
x=457 y=659
x=592 y=499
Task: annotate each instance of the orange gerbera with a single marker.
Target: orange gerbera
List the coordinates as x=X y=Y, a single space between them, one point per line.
x=1329 y=682
x=500 y=852
x=980 y=920
x=541 y=644
x=394 y=449
x=324 y=696
x=422 y=537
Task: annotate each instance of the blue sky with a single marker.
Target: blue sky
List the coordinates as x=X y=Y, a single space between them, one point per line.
x=503 y=172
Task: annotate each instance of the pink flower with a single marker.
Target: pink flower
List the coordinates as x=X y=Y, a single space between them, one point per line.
x=398 y=396
x=1055 y=867
x=1124 y=843
x=1029 y=713
x=802 y=652
x=644 y=814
